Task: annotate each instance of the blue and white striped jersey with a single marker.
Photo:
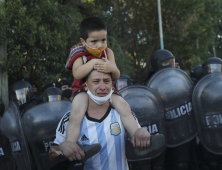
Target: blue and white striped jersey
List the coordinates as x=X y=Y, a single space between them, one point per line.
x=109 y=132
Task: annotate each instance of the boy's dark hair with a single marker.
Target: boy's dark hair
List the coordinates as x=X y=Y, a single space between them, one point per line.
x=91 y=24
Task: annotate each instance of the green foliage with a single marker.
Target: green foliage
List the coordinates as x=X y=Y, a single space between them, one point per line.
x=39 y=35
x=218 y=30
x=189 y=28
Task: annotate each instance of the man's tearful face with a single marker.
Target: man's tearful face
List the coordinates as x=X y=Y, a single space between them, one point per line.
x=100 y=84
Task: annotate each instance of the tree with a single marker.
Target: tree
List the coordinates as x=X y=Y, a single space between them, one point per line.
x=39 y=35
x=185 y=23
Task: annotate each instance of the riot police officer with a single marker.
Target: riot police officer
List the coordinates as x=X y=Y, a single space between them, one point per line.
x=52 y=94
x=65 y=84
x=159 y=60
x=32 y=131
x=210 y=96
x=123 y=81
x=22 y=93
x=196 y=73
x=174 y=98
x=177 y=62
x=212 y=65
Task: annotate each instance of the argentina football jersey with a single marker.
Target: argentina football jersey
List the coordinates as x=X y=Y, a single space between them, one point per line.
x=109 y=132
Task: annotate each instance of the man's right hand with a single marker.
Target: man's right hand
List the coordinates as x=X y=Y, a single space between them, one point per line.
x=71 y=150
x=141 y=138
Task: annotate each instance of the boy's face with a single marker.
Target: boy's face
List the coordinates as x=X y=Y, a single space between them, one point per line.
x=96 y=39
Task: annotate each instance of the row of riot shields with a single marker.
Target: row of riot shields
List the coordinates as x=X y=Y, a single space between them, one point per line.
x=31 y=135
x=163 y=106
x=169 y=105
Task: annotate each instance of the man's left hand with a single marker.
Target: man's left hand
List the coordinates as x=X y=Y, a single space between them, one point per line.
x=54 y=154
x=141 y=138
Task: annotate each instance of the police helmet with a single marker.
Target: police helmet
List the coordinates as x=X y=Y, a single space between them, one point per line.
x=196 y=73
x=2 y=108
x=212 y=65
x=52 y=94
x=22 y=92
x=162 y=59
x=177 y=60
x=64 y=82
x=48 y=86
x=123 y=81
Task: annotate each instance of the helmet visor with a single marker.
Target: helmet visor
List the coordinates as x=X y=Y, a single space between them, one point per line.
x=54 y=98
x=168 y=63
x=214 y=68
x=121 y=83
x=22 y=95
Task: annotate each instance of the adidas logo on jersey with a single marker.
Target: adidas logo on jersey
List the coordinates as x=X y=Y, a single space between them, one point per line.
x=84 y=138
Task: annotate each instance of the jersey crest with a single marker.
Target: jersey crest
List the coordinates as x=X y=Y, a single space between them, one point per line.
x=115 y=129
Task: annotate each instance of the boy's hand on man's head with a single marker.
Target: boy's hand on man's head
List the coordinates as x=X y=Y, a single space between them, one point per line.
x=105 y=66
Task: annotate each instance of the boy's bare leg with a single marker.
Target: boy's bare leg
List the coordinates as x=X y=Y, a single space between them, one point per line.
x=123 y=108
x=79 y=107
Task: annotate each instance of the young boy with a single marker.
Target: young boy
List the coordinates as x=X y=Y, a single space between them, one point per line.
x=92 y=53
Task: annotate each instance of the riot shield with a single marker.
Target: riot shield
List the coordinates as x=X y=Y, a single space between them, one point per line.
x=207 y=105
x=149 y=111
x=40 y=123
x=174 y=87
x=6 y=159
x=11 y=127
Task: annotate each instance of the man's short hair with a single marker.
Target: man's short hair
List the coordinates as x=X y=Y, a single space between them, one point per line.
x=87 y=77
x=91 y=24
